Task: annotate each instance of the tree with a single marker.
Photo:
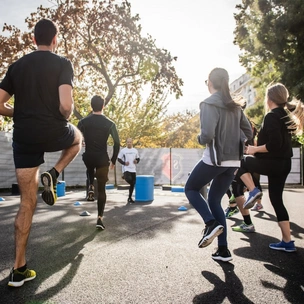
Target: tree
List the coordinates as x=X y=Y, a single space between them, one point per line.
x=270 y=34
x=104 y=42
x=138 y=119
x=181 y=130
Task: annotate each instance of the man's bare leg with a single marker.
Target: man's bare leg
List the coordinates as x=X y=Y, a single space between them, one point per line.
x=49 y=178
x=27 y=179
x=69 y=154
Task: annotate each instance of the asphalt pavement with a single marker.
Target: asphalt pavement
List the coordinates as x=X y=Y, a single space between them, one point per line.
x=148 y=253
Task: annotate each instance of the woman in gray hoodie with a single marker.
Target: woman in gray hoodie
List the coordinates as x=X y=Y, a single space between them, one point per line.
x=224 y=129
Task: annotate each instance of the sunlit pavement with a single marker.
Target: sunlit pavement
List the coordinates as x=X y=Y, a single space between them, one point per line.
x=148 y=253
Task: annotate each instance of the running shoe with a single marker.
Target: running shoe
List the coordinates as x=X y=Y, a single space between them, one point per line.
x=232 y=199
x=49 y=182
x=17 y=278
x=244 y=228
x=223 y=255
x=230 y=211
x=90 y=196
x=288 y=247
x=257 y=207
x=210 y=233
x=253 y=196
x=99 y=224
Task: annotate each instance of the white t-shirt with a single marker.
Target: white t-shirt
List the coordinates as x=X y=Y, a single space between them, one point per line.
x=128 y=155
x=225 y=163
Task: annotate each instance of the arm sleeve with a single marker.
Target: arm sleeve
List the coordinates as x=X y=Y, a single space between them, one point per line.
x=80 y=126
x=114 y=134
x=137 y=157
x=121 y=161
x=7 y=84
x=209 y=117
x=67 y=73
x=246 y=126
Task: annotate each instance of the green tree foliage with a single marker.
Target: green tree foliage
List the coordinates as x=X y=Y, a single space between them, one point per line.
x=138 y=119
x=181 y=130
x=270 y=34
x=256 y=113
x=104 y=42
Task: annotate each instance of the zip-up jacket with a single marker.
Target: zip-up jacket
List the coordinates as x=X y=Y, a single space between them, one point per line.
x=223 y=130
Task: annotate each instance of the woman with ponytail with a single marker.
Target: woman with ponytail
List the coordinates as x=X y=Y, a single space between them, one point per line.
x=224 y=129
x=272 y=157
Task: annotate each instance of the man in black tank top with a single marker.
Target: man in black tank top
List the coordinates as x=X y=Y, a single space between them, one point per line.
x=42 y=84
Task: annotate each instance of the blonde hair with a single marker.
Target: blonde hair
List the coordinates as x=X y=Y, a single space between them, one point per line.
x=279 y=94
x=295 y=110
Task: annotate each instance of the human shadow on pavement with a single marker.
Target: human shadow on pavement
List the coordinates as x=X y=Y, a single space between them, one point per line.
x=231 y=288
x=58 y=265
x=54 y=252
x=59 y=235
x=283 y=264
x=292 y=291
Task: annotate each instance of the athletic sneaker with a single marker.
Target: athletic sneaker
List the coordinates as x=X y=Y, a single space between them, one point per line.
x=17 y=278
x=288 y=247
x=49 y=181
x=231 y=199
x=90 y=196
x=244 y=228
x=130 y=200
x=210 y=233
x=100 y=224
x=257 y=207
x=253 y=196
x=223 y=255
x=230 y=211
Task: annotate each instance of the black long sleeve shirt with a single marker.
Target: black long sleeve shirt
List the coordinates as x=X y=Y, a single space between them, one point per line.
x=96 y=130
x=275 y=135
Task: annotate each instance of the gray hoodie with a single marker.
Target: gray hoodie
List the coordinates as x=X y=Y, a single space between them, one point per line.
x=223 y=130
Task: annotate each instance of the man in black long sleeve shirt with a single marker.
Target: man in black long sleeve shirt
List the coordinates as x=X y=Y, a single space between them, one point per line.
x=96 y=129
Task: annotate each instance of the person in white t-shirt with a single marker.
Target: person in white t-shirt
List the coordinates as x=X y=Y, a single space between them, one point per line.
x=129 y=158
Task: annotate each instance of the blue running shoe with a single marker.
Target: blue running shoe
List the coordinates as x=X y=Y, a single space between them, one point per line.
x=288 y=247
x=253 y=196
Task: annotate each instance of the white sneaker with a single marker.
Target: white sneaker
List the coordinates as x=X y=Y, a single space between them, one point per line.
x=257 y=207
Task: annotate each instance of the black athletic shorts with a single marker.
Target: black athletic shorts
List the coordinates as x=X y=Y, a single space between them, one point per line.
x=32 y=155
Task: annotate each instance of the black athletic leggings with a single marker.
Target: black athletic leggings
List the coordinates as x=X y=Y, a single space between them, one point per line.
x=238 y=185
x=130 y=178
x=101 y=174
x=277 y=171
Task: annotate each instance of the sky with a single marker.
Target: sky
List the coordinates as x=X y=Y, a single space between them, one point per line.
x=198 y=32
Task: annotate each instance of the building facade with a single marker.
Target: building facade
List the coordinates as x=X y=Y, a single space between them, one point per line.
x=243 y=86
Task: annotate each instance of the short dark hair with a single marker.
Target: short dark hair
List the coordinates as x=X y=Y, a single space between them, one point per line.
x=97 y=103
x=45 y=30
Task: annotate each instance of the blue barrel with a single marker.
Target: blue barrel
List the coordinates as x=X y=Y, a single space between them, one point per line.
x=60 y=188
x=144 y=188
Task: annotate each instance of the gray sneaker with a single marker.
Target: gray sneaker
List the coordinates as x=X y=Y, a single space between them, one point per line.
x=49 y=182
x=244 y=228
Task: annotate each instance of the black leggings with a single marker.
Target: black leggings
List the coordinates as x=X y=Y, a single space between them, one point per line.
x=101 y=174
x=277 y=171
x=238 y=185
x=130 y=178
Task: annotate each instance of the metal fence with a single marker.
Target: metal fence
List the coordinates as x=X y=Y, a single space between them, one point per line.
x=169 y=166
